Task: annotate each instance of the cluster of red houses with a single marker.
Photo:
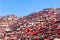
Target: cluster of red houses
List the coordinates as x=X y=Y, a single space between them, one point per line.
x=42 y=25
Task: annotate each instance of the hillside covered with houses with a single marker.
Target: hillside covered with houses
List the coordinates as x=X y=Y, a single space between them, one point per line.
x=41 y=25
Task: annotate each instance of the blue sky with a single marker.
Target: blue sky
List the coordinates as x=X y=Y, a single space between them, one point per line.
x=25 y=7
